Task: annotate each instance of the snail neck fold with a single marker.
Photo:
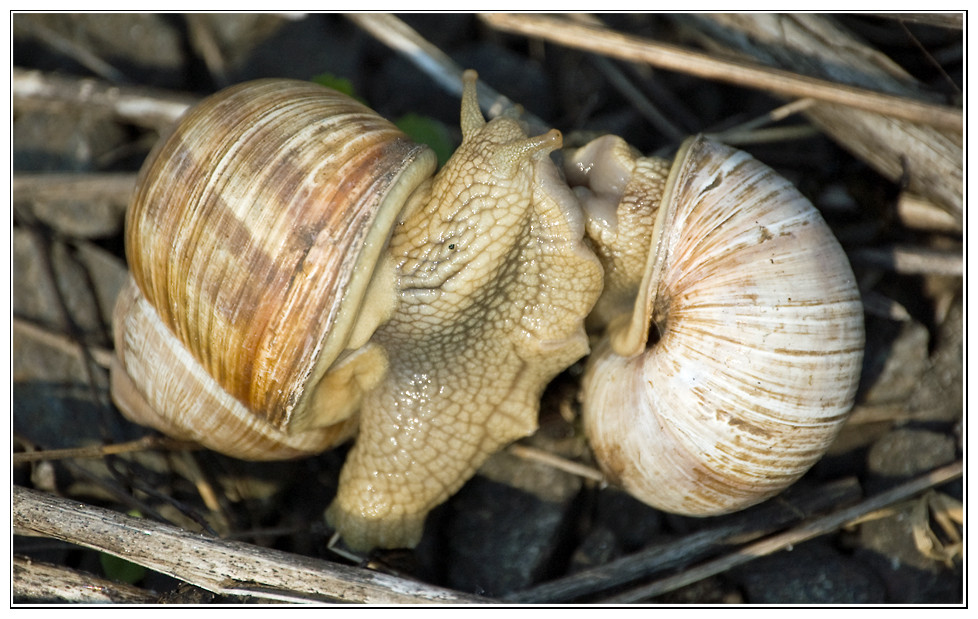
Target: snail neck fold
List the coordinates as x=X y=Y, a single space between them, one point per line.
x=629 y=212
x=493 y=281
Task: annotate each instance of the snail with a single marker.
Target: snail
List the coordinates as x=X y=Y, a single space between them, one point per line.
x=733 y=326
x=301 y=276
x=298 y=276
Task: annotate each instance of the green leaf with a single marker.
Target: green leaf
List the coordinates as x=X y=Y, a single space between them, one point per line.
x=425 y=130
x=121 y=570
x=337 y=83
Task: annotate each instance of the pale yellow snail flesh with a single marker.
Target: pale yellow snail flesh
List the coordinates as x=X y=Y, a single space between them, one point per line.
x=755 y=318
x=439 y=307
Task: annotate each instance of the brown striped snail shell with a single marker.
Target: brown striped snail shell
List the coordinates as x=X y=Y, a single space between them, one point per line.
x=230 y=243
x=300 y=276
x=756 y=324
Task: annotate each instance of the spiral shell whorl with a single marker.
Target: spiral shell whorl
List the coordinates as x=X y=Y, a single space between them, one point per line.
x=760 y=349
x=292 y=180
x=158 y=383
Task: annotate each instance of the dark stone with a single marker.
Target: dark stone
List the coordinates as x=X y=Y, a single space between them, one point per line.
x=887 y=545
x=501 y=539
x=634 y=523
x=598 y=547
x=904 y=453
x=811 y=573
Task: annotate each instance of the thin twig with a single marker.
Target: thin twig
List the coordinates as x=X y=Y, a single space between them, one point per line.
x=776 y=115
x=863 y=414
x=912 y=260
x=610 y=43
x=940 y=20
x=674 y=128
x=761 y=136
x=62 y=342
x=569 y=466
x=100 y=451
x=94 y=379
x=114 y=187
x=436 y=64
x=805 y=532
x=141 y=106
x=617 y=78
x=80 y=54
x=738 y=529
x=920 y=158
x=877 y=304
x=925 y=53
x=917 y=212
x=204 y=42
x=221 y=566
x=186 y=465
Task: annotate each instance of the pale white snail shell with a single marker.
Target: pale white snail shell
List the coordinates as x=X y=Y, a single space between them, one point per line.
x=759 y=349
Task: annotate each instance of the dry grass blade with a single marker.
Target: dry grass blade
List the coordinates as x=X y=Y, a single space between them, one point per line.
x=223 y=567
x=610 y=43
x=876 y=304
x=802 y=533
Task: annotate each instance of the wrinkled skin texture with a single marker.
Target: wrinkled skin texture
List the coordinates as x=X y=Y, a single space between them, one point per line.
x=493 y=283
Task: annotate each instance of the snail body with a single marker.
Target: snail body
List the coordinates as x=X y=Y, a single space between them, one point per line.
x=756 y=323
x=293 y=255
x=231 y=244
